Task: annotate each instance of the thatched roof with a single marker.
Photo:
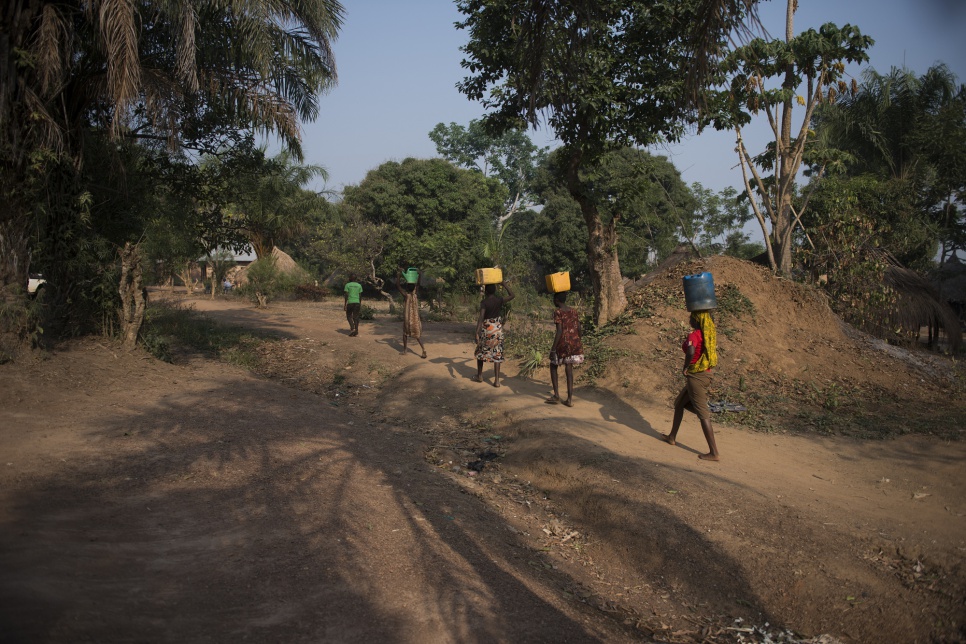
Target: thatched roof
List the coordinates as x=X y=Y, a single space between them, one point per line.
x=283 y=262
x=918 y=304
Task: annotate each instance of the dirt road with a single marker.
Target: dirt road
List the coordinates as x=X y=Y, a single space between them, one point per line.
x=142 y=501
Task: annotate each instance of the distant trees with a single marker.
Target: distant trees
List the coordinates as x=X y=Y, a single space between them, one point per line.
x=425 y=213
x=906 y=136
x=510 y=157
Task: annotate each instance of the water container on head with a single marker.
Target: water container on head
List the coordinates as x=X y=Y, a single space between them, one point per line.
x=699 y=292
x=489 y=276
x=411 y=275
x=558 y=282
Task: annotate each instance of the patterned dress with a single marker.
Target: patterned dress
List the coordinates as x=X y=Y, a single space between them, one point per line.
x=489 y=347
x=569 y=348
x=412 y=327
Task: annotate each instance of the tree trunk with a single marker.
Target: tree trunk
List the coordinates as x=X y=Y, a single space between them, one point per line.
x=131 y=290
x=14 y=253
x=602 y=260
x=784 y=220
x=605 y=269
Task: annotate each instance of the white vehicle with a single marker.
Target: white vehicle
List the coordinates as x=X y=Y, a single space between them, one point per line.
x=34 y=283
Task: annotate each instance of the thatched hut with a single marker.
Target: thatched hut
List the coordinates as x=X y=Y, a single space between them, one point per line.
x=917 y=305
x=283 y=262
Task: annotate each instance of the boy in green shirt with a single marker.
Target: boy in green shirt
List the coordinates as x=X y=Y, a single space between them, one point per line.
x=353 y=303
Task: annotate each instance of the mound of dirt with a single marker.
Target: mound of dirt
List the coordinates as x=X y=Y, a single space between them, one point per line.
x=784 y=355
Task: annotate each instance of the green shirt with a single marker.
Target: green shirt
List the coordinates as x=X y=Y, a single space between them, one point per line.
x=353 y=291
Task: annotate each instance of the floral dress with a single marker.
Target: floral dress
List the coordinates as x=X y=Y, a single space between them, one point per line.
x=569 y=349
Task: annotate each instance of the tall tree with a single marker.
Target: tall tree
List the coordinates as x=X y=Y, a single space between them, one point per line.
x=813 y=60
x=166 y=71
x=510 y=157
x=602 y=74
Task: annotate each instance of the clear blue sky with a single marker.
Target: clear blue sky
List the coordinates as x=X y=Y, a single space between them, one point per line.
x=399 y=63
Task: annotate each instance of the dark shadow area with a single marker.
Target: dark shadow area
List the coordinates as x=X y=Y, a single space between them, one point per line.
x=259 y=523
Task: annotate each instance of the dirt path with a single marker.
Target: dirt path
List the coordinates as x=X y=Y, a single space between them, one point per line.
x=146 y=501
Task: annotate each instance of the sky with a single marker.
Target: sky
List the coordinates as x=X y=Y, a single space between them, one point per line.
x=399 y=63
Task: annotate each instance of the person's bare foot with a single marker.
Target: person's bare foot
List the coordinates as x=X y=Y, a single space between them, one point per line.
x=667 y=439
x=553 y=400
x=424 y=354
x=568 y=402
x=477 y=379
x=496 y=384
x=708 y=457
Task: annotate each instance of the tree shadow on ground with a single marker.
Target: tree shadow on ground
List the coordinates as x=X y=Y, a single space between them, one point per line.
x=249 y=511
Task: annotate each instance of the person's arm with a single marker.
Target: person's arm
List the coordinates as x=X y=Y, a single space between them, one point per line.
x=557 y=336
x=688 y=356
x=416 y=285
x=345 y=299
x=479 y=322
x=509 y=293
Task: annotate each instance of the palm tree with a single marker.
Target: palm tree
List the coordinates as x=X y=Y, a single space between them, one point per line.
x=880 y=122
x=172 y=71
x=272 y=203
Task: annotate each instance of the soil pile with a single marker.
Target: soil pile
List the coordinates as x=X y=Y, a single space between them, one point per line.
x=785 y=356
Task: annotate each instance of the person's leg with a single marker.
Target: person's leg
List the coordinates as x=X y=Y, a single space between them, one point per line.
x=709 y=436
x=479 y=371
x=420 y=341
x=555 y=398
x=496 y=374
x=569 y=369
x=405 y=343
x=679 y=404
x=352 y=315
x=699 y=384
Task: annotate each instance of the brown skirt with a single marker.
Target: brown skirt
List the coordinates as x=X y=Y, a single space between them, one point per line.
x=694 y=395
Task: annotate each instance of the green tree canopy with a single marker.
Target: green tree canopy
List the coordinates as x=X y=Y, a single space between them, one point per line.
x=909 y=133
x=439 y=215
x=602 y=74
x=510 y=157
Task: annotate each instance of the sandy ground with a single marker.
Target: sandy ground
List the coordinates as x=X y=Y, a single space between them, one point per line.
x=144 y=501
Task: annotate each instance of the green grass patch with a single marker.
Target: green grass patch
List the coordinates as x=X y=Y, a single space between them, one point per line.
x=171 y=327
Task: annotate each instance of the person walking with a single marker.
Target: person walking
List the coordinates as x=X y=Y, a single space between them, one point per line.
x=700 y=357
x=566 y=349
x=412 y=326
x=489 y=331
x=353 y=304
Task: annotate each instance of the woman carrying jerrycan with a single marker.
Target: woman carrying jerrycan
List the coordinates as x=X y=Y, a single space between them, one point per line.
x=700 y=357
x=489 y=324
